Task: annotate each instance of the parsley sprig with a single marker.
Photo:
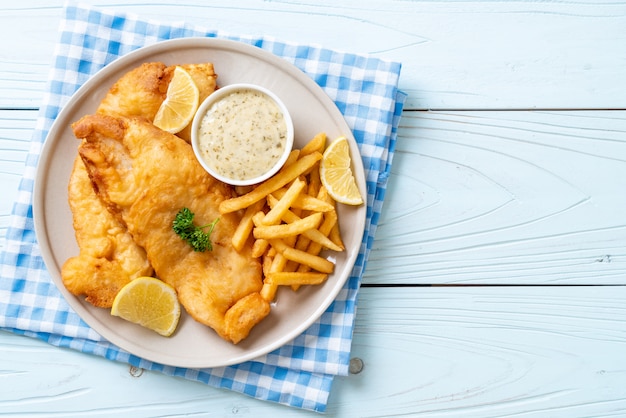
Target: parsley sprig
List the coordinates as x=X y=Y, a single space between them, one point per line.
x=194 y=235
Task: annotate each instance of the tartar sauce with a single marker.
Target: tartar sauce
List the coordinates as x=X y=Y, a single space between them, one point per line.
x=243 y=135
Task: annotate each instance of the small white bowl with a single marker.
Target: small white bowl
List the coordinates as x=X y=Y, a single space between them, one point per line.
x=239 y=151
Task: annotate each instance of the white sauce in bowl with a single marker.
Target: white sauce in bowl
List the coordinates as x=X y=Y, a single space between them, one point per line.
x=243 y=135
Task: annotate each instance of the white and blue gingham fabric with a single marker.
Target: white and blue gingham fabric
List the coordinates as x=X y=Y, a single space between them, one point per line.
x=298 y=374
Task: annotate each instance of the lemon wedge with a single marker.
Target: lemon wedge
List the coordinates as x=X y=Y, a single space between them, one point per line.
x=336 y=174
x=150 y=303
x=180 y=104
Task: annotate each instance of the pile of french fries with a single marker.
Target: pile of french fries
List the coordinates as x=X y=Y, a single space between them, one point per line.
x=292 y=219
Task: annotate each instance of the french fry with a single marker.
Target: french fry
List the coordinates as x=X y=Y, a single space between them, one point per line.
x=278 y=264
x=313 y=261
x=302 y=244
x=315 y=235
x=335 y=237
x=301 y=221
x=291 y=266
x=298 y=227
x=245 y=225
x=284 y=176
x=335 y=233
x=330 y=219
x=259 y=248
x=276 y=212
x=306 y=202
x=291 y=240
x=267 y=264
x=322 y=194
x=257 y=218
x=293 y=157
x=297 y=279
x=268 y=291
x=311 y=235
x=260 y=245
x=317 y=144
x=314 y=183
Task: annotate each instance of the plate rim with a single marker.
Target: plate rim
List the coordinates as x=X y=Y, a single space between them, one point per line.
x=57 y=128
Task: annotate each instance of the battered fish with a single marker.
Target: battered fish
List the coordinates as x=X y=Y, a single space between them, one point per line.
x=109 y=258
x=141 y=91
x=147 y=175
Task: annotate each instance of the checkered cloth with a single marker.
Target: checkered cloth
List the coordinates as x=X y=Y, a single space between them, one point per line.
x=298 y=374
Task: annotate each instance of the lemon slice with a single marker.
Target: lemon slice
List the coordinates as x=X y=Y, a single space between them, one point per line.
x=180 y=104
x=148 y=302
x=336 y=174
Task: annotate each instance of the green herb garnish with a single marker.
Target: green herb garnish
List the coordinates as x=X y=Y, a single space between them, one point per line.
x=194 y=235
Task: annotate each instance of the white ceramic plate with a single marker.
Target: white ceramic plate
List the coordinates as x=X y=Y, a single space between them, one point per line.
x=193 y=344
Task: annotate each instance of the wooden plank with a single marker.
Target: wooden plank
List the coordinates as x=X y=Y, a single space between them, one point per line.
x=455 y=55
x=15 y=134
x=505 y=197
x=427 y=351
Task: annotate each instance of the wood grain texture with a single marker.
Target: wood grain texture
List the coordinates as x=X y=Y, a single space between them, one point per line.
x=432 y=352
x=505 y=197
x=455 y=55
x=15 y=133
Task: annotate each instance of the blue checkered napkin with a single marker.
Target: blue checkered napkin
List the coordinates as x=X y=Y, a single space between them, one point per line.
x=298 y=374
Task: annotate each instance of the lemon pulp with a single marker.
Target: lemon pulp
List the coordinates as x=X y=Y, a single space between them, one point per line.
x=180 y=104
x=149 y=302
x=336 y=174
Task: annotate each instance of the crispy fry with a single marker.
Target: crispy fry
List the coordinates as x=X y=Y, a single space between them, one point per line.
x=313 y=261
x=284 y=176
x=268 y=291
x=330 y=220
x=295 y=278
x=242 y=233
x=293 y=157
x=335 y=232
x=315 y=235
x=302 y=244
x=315 y=248
x=317 y=144
x=278 y=264
x=310 y=235
x=301 y=221
x=314 y=183
x=288 y=230
x=280 y=207
x=335 y=237
x=257 y=218
x=267 y=263
x=259 y=247
x=306 y=202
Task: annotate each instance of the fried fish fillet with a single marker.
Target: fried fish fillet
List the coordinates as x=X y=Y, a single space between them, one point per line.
x=147 y=175
x=141 y=91
x=109 y=258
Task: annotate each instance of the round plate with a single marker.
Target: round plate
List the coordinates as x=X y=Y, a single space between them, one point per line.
x=193 y=344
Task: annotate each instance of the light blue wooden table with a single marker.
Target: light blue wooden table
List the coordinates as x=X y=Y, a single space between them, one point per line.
x=496 y=285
